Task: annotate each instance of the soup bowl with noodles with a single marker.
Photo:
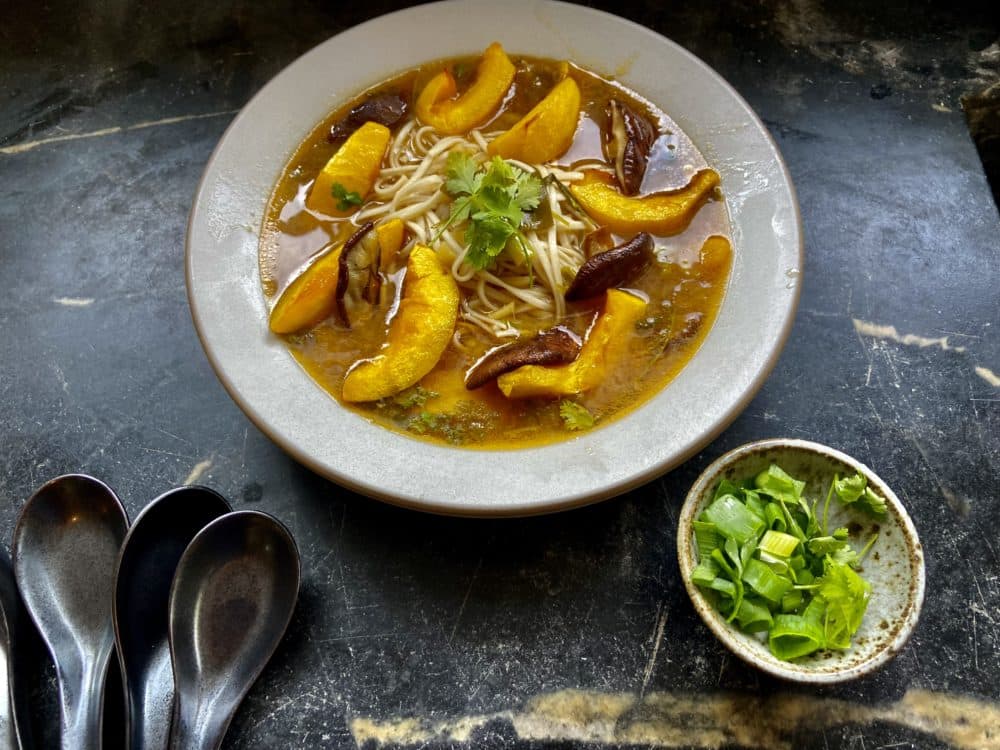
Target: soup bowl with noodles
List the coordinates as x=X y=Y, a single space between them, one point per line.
x=494 y=276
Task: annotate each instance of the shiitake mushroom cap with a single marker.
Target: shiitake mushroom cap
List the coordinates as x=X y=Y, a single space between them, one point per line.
x=555 y=346
x=612 y=268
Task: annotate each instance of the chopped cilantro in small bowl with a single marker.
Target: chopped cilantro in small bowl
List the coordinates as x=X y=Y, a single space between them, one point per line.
x=801 y=560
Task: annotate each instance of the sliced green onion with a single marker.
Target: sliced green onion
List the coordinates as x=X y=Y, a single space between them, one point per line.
x=724 y=587
x=755 y=505
x=776 y=564
x=765 y=581
x=775 y=517
x=705 y=572
x=791 y=601
x=793 y=636
x=769 y=562
x=705 y=538
x=732 y=519
x=734 y=576
x=778 y=543
x=727 y=487
x=774 y=481
x=753 y=617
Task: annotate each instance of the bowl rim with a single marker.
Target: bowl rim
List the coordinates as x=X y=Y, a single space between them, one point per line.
x=727 y=634
x=545 y=497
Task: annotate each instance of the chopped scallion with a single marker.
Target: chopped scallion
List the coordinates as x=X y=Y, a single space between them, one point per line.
x=769 y=562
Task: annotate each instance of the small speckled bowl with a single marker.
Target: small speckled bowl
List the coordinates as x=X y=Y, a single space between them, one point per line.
x=894 y=566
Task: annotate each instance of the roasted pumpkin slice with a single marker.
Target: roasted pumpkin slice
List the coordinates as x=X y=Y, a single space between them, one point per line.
x=390 y=239
x=547 y=131
x=453 y=116
x=310 y=297
x=353 y=169
x=418 y=334
x=600 y=353
x=659 y=213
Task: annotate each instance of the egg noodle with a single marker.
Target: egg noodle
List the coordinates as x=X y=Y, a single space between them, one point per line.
x=510 y=297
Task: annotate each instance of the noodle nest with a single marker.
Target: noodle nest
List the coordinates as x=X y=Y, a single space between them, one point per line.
x=510 y=297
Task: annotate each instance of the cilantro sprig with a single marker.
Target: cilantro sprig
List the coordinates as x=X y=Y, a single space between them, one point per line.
x=770 y=562
x=493 y=198
x=346 y=199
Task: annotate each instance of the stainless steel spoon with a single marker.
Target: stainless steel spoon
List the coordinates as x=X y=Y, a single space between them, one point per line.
x=146 y=567
x=13 y=719
x=232 y=599
x=66 y=543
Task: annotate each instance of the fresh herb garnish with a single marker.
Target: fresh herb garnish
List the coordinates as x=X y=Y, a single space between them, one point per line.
x=575 y=416
x=856 y=490
x=468 y=423
x=769 y=563
x=346 y=199
x=493 y=198
x=415 y=396
x=398 y=407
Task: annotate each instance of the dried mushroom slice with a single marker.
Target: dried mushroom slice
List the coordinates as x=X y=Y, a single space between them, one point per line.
x=358 y=278
x=556 y=346
x=628 y=145
x=611 y=268
x=385 y=109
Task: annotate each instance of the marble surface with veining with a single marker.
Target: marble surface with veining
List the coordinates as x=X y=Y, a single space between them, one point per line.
x=564 y=631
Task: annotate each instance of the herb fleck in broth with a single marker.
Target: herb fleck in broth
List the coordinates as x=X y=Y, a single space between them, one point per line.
x=683 y=286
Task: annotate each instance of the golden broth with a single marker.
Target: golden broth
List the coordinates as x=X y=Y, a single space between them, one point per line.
x=684 y=287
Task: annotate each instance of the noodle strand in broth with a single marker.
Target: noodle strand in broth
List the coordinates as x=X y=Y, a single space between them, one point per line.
x=412 y=188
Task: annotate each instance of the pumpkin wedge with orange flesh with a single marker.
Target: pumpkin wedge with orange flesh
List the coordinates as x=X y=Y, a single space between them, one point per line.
x=438 y=107
x=660 y=214
x=354 y=167
x=311 y=296
x=547 y=131
x=418 y=334
x=601 y=351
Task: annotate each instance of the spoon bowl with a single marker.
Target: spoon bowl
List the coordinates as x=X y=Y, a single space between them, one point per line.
x=66 y=542
x=231 y=601
x=146 y=566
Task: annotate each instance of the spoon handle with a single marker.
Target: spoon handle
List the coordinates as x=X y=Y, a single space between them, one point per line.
x=81 y=714
x=197 y=727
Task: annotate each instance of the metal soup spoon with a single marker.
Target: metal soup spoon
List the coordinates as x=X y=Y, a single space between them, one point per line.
x=66 y=543
x=13 y=719
x=232 y=599
x=146 y=567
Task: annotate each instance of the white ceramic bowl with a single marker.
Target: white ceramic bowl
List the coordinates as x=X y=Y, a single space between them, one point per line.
x=230 y=314
x=894 y=565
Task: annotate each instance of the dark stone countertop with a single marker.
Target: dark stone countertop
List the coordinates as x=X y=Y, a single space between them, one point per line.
x=565 y=631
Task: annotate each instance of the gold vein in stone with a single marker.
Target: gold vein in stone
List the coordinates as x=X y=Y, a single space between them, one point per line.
x=666 y=720
x=20 y=148
x=874 y=330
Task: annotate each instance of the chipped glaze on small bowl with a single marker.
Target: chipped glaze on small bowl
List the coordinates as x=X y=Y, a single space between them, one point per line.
x=894 y=565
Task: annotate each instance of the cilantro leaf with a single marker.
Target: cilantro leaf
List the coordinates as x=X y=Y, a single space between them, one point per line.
x=346 y=199
x=487 y=237
x=529 y=192
x=855 y=490
x=462 y=176
x=493 y=199
x=575 y=416
x=846 y=594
